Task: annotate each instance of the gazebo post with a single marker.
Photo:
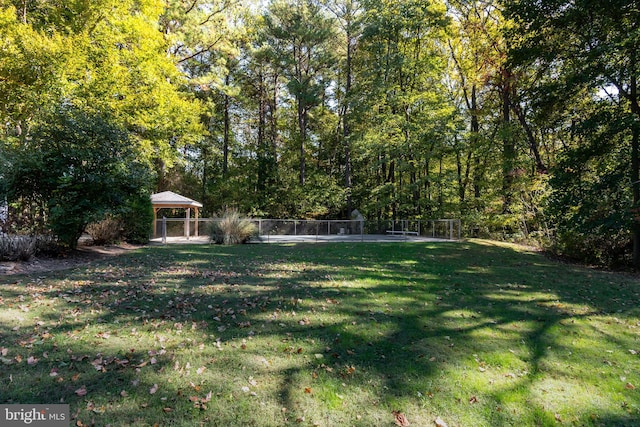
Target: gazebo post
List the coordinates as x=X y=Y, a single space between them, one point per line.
x=196 y=209
x=187 y=223
x=155 y=222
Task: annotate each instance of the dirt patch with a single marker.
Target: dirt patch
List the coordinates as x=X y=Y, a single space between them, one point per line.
x=79 y=257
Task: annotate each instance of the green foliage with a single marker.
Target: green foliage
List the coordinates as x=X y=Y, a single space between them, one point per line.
x=585 y=53
x=137 y=218
x=590 y=204
x=410 y=109
x=232 y=229
x=82 y=166
x=131 y=222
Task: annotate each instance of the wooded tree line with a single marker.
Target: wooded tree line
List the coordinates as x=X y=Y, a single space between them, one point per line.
x=521 y=118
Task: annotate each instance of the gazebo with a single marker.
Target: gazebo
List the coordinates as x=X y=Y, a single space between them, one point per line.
x=171 y=200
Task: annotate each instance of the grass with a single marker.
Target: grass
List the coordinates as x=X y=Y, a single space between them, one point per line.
x=476 y=333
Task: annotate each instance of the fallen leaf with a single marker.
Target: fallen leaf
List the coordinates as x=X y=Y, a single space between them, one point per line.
x=473 y=399
x=630 y=386
x=123 y=393
x=307 y=390
x=440 y=423
x=167 y=409
x=153 y=389
x=400 y=419
x=82 y=391
x=32 y=361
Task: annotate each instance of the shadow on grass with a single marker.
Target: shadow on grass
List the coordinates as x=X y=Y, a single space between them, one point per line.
x=327 y=334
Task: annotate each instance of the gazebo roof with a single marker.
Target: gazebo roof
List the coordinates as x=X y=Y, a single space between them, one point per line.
x=169 y=199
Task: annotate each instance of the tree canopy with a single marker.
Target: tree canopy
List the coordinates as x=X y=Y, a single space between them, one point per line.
x=521 y=118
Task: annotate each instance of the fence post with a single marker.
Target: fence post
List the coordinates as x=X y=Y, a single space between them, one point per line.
x=164 y=230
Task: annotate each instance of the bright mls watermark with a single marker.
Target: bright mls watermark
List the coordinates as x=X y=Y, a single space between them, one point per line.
x=34 y=415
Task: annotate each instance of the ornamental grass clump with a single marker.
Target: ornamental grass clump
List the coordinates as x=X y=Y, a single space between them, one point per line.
x=14 y=248
x=232 y=229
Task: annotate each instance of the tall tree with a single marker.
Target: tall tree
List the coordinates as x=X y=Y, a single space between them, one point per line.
x=204 y=37
x=400 y=99
x=302 y=35
x=588 y=47
x=349 y=14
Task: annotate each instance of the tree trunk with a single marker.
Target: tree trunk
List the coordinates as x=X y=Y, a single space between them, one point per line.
x=635 y=180
x=508 y=147
x=226 y=135
x=205 y=155
x=346 y=131
x=302 y=124
x=475 y=140
x=263 y=150
x=533 y=145
x=635 y=157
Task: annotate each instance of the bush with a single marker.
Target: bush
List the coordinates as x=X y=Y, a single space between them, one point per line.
x=83 y=166
x=612 y=249
x=107 y=231
x=22 y=248
x=232 y=229
x=14 y=248
x=137 y=220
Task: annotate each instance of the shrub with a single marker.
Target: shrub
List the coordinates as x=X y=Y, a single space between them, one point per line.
x=232 y=229
x=107 y=231
x=612 y=249
x=14 y=248
x=22 y=248
x=82 y=165
x=137 y=220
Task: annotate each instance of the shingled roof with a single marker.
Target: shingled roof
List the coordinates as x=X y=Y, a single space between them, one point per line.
x=169 y=199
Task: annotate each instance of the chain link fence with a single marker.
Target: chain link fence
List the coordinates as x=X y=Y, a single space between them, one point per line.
x=449 y=229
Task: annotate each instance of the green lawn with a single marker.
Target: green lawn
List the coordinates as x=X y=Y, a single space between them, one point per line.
x=476 y=333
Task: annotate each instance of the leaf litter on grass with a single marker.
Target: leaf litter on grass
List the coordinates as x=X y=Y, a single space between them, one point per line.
x=364 y=340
